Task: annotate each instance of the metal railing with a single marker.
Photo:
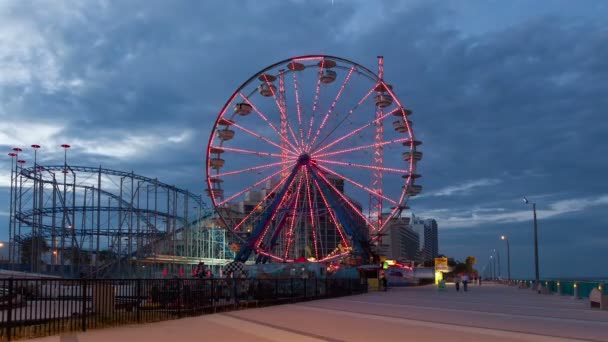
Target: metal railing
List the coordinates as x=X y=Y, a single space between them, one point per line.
x=580 y=289
x=42 y=307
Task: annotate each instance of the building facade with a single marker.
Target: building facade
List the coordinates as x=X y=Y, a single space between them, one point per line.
x=431 y=239
x=399 y=241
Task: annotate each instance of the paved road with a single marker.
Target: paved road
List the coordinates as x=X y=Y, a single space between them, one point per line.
x=487 y=313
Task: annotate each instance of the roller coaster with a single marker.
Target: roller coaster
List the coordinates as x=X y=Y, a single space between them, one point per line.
x=98 y=222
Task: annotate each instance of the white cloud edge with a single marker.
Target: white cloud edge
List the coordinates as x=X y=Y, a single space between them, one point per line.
x=458 y=218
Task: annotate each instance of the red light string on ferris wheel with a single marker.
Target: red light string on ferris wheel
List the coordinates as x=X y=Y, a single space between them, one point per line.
x=312 y=217
x=261 y=154
x=308 y=58
x=331 y=214
x=293 y=218
x=380 y=118
x=262 y=138
x=259 y=167
x=346 y=200
x=360 y=186
x=299 y=108
x=315 y=102
x=254 y=185
x=265 y=118
x=363 y=166
x=270 y=193
x=350 y=112
x=332 y=107
x=282 y=110
x=357 y=148
x=274 y=214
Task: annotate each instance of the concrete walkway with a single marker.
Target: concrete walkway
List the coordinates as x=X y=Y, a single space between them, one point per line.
x=487 y=313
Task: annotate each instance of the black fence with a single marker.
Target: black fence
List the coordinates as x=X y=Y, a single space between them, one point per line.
x=41 y=307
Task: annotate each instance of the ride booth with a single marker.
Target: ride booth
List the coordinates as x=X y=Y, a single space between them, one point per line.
x=370 y=274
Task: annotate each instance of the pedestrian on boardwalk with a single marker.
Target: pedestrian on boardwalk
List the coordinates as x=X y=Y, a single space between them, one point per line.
x=384 y=281
x=465 y=281
x=457 y=283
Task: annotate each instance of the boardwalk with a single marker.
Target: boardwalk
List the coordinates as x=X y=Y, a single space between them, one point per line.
x=489 y=313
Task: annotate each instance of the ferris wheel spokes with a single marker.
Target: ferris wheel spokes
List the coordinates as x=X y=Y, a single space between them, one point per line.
x=281 y=107
x=298 y=108
x=270 y=211
x=311 y=211
x=346 y=220
x=362 y=147
x=360 y=186
x=332 y=214
x=315 y=103
x=331 y=108
x=259 y=136
x=362 y=166
x=258 y=153
x=259 y=205
x=344 y=198
x=265 y=118
x=292 y=220
x=249 y=169
x=350 y=112
x=373 y=122
x=251 y=187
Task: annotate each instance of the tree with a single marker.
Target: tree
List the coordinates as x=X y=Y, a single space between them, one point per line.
x=106 y=256
x=39 y=246
x=77 y=256
x=460 y=268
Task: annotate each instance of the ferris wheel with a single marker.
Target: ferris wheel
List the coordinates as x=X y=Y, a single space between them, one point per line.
x=311 y=158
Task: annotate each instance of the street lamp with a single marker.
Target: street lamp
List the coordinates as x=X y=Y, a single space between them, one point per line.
x=502 y=237
x=535 y=244
x=497 y=253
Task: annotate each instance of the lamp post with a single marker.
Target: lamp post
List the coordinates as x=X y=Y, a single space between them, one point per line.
x=536 y=282
x=492 y=267
x=497 y=261
x=14 y=156
x=502 y=237
x=35 y=252
x=65 y=213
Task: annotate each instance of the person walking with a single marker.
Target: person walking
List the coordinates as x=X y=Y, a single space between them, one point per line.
x=457 y=283
x=465 y=281
x=384 y=281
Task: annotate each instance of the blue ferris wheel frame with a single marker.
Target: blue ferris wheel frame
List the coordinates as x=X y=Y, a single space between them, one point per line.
x=359 y=240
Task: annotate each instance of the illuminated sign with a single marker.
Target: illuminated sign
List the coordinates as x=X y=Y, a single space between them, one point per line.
x=441 y=264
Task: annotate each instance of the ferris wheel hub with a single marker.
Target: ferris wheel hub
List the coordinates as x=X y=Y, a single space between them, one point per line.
x=304 y=159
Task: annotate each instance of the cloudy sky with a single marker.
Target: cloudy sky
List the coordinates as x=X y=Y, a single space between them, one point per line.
x=509 y=100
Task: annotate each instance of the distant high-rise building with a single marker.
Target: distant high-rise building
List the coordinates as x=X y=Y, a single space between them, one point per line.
x=417 y=225
x=399 y=241
x=431 y=239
